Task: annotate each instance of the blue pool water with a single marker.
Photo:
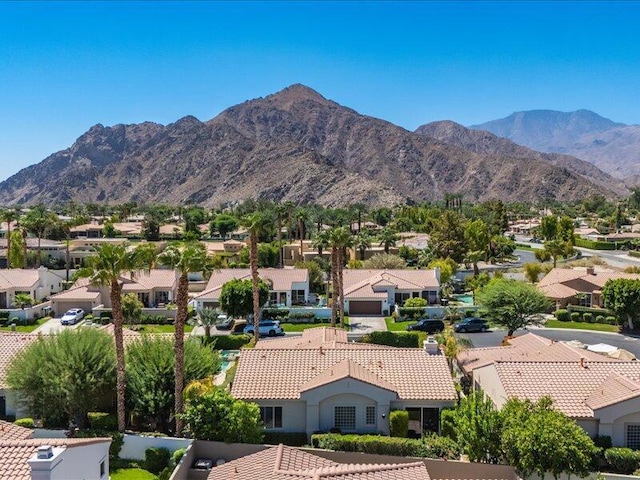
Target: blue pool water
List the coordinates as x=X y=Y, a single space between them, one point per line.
x=464 y=298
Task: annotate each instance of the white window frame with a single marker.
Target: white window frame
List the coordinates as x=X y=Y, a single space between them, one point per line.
x=354 y=416
x=368 y=415
x=635 y=444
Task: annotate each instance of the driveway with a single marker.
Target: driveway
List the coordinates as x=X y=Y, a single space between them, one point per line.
x=54 y=326
x=364 y=324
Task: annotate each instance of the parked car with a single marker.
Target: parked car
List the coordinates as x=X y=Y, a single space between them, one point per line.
x=224 y=323
x=238 y=327
x=269 y=328
x=72 y=316
x=471 y=324
x=427 y=325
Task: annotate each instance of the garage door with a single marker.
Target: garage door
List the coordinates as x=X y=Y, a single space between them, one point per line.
x=60 y=307
x=373 y=307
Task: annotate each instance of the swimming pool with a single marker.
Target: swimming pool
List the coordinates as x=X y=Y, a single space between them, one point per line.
x=464 y=298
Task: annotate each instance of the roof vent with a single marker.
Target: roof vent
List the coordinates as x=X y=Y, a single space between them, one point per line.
x=44 y=452
x=430 y=346
x=591 y=271
x=321 y=351
x=582 y=363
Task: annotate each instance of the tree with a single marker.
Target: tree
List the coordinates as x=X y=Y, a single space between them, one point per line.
x=131 y=308
x=18 y=257
x=549 y=227
x=532 y=271
x=383 y=261
x=566 y=227
x=622 y=297
x=512 y=304
x=320 y=241
x=223 y=224
x=37 y=221
x=151 y=375
x=362 y=241
x=191 y=258
x=538 y=439
x=477 y=237
x=106 y=269
x=340 y=239
x=542 y=255
x=558 y=248
x=478 y=427
x=63 y=377
x=448 y=269
x=151 y=228
x=109 y=231
x=236 y=296
x=208 y=317
x=22 y=300
x=8 y=216
x=447 y=236
x=217 y=416
x=387 y=238
x=316 y=276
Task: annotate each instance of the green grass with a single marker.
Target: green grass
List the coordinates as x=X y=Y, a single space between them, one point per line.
x=599 y=327
x=161 y=328
x=397 y=326
x=132 y=474
x=27 y=328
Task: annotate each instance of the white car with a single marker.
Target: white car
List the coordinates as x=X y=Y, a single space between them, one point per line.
x=72 y=316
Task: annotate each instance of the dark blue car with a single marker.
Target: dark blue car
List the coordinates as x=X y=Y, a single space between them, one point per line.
x=471 y=324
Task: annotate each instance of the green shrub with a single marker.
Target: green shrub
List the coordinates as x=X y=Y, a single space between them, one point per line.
x=602 y=441
x=25 y=422
x=117 y=440
x=399 y=423
x=4 y=315
x=575 y=317
x=447 y=423
x=177 y=455
x=165 y=474
x=622 y=460
x=594 y=245
x=588 y=317
x=601 y=319
x=436 y=446
x=156 y=459
x=612 y=320
x=393 y=339
x=293 y=439
x=301 y=317
x=275 y=314
x=415 y=302
x=231 y=342
x=102 y=421
x=562 y=315
x=410 y=312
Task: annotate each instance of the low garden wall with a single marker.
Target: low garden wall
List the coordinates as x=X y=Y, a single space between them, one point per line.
x=135 y=445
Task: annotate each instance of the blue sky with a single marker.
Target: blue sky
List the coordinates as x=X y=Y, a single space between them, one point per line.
x=67 y=66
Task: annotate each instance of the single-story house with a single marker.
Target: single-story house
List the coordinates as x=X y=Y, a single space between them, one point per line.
x=37 y=283
x=154 y=288
x=51 y=248
x=11 y=344
x=374 y=292
x=323 y=382
x=287 y=286
x=578 y=286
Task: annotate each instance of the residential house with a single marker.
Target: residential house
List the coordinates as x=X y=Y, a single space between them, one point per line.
x=52 y=249
x=287 y=286
x=321 y=381
x=374 y=292
x=11 y=344
x=601 y=393
x=578 y=286
x=37 y=283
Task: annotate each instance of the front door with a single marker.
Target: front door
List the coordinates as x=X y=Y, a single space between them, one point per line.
x=3 y=299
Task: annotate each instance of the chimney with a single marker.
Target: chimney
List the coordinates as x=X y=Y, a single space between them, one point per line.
x=44 y=462
x=582 y=363
x=591 y=271
x=321 y=351
x=430 y=346
x=44 y=452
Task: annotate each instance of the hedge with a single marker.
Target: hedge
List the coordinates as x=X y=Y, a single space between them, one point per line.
x=25 y=422
x=430 y=446
x=622 y=460
x=177 y=455
x=562 y=315
x=594 y=245
x=575 y=317
x=601 y=319
x=156 y=459
x=634 y=253
x=587 y=317
x=393 y=339
x=612 y=320
x=275 y=313
x=102 y=421
x=231 y=342
x=293 y=439
x=399 y=423
x=411 y=312
x=594 y=310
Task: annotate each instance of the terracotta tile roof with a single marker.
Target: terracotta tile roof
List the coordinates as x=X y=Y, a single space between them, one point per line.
x=526 y=348
x=562 y=283
x=313 y=338
x=15 y=454
x=11 y=431
x=78 y=293
x=572 y=387
x=18 y=278
x=155 y=278
x=281 y=278
x=347 y=369
x=10 y=345
x=360 y=283
x=128 y=336
x=280 y=373
x=288 y=463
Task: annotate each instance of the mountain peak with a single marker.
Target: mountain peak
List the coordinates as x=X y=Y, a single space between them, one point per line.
x=296 y=93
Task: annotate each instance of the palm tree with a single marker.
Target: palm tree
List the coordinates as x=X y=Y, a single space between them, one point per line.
x=362 y=241
x=22 y=300
x=388 y=238
x=37 y=221
x=321 y=241
x=208 y=317
x=106 y=268
x=255 y=223
x=281 y=212
x=340 y=239
x=8 y=216
x=191 y=258
x=302 y=217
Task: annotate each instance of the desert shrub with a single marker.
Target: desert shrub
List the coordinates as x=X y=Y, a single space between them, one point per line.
x=275 y=314
x=156 y=459
x=575 y=317
x=411 y=312
x=436 y=446
x=293 y=439
x=622 y=460
x=102 y=421
x=399 y=423
x=301 y=317
x=25 y=422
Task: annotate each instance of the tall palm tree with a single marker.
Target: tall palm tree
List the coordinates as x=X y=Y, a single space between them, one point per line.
x=106 y=268
x=388 y=238
x=321 y=241
x=362 y=241
x=281 y=212
x=340 y=240
x=8 y=216
x=189 y=259
x=37 y=221
x=256 y=224
x=208 y=317
x=302 y=217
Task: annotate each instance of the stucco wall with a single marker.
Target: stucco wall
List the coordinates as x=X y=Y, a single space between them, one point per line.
x=81 y=461
x=135 y=445
x=294 y=414
x=486 y=378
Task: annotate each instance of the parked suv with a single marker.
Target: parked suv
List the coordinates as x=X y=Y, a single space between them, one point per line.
x=471 y=324
x=72 y=316
x=427 y=325
x=269 y=328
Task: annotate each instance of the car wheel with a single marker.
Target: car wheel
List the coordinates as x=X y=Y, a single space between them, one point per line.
x=272 y=333
x=463 y=330
x=483 y=329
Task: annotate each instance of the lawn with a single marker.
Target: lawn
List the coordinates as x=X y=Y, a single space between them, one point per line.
x=397 y=326
x=25 y=328
x=161 y=328
x=599 y=327
x=131 y=474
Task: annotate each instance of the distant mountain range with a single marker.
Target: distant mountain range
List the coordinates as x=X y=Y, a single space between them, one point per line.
x=296 y=145
x=612 y=147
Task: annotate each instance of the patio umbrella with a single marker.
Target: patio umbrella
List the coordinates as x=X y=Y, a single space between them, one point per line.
x=622 y=354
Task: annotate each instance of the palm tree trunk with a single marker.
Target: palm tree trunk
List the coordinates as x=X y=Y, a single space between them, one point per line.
x=334 y=280
x=118 y=321
x=253 y=261
x=341 y=255
x=178 y=347
x=301 y=231
x=279 y=240
x=24 y=246
x=38 y=259
x=8 y=243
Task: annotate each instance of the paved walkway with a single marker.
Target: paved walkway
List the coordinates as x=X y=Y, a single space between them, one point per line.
x=363 y=324
x=54 y=326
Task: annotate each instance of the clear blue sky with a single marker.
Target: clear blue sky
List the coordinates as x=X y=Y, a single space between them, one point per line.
x=67 y=66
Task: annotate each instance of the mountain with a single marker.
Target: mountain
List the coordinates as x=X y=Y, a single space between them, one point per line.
x=481 y=141
x=293 y=145
x=612 y=147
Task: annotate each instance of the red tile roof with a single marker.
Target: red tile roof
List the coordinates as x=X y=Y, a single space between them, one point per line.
x=11 y=431
x=560 y=283
x=281 y=279
x=18 y=278
x=10 y=345
x=287 y=463
x=360 y=283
